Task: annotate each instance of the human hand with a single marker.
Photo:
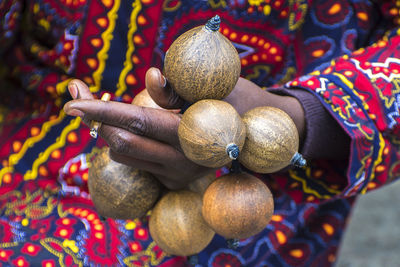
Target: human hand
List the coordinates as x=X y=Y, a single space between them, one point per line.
x=144 y=138
x=147 y=138
x=245 y=96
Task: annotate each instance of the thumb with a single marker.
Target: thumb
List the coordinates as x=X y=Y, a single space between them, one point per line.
x=160 y=91
x=79 y=90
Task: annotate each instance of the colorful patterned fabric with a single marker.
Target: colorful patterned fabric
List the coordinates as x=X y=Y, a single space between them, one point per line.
x=345 y=52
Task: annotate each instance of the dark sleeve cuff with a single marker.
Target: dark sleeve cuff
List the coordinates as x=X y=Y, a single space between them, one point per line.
x=324 y=138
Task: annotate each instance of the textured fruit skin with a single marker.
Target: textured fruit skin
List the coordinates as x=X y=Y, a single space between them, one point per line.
x=272 y=140
x=144 y=99
x=200 y=184
x=177 y=226
x=237 y=206
x=119 y=191
x=206 y=128
x=202 y=64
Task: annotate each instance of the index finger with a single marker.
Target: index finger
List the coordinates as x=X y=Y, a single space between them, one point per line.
x=156 y=124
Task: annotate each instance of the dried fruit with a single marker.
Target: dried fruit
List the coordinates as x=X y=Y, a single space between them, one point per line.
x=119 y=191
x=144 y=99
x=211 y=133
x=200 y=185
x=237 y=205
x=177 y=226
x=272 y=141
x=202 y=63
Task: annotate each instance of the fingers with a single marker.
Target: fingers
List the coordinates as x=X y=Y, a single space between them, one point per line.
x=160 y=91
x=125 y=143
x=137 y=136
x=171 y=184
x=79 y=90
x=156 y=169
x=154 y=123
x=145 y=165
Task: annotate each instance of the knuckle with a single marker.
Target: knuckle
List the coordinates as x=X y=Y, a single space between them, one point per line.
x=105 y=110
x=174 y=100
x=119 y=143
x=138 y=125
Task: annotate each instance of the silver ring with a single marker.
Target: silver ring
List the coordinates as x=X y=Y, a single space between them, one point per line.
x=95 y=125
x=94 y=129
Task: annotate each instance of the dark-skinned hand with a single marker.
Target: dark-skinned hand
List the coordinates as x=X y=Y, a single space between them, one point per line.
x=147 y=138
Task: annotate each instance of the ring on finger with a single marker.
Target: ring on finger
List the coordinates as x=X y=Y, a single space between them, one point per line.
x=95 y=125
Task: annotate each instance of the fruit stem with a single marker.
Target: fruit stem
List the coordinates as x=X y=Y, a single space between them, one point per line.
x=213 y=23
x=298 y=160
x=232 y=243
x=235 y=168
x=232 y=150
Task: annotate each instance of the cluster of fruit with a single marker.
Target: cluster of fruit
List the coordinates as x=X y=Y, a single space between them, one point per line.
x=202 y=66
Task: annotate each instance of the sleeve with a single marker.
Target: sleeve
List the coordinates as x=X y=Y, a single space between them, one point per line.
x=361 y=92
x=321 y=128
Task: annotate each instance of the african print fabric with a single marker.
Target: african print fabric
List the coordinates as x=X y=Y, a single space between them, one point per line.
x=345 y=52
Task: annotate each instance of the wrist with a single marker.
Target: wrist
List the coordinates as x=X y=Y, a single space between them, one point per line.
x=247 y=95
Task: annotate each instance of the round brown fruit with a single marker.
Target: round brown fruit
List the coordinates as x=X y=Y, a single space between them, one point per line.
x=202 y=63
x=177 y=226
x=272 y=141
x=208 y=130
x=200 y=185
x=119 y=191
x=237 y=205
x=144 y=99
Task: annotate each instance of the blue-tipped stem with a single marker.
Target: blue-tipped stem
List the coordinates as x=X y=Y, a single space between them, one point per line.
x=213 y=23
x=235 y=168
x=233 y=151
x=298 y=160
x=232 y=243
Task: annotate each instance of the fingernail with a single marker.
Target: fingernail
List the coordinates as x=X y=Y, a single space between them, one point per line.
x=73 y=90
x=75 y=112
x=163 y=81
